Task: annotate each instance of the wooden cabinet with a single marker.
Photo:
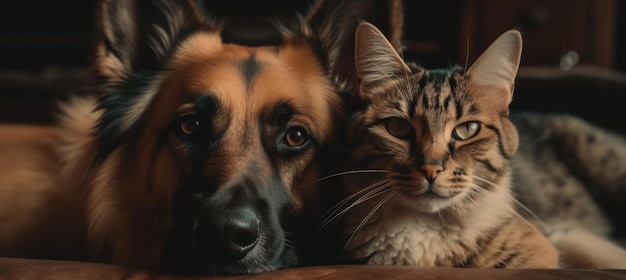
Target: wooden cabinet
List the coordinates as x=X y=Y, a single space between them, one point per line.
x=551 y=29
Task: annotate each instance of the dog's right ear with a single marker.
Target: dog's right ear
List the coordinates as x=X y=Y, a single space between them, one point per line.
x=332 y=25
x=138 y=35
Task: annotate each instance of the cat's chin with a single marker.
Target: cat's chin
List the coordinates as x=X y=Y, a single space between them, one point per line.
x=428 y=202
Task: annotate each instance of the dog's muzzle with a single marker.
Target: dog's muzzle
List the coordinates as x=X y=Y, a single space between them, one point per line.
x=236 y=231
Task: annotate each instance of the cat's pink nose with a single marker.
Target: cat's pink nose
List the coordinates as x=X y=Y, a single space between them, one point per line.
x=431 y=170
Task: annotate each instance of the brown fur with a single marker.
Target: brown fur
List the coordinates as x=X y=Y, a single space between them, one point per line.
x=184 y=131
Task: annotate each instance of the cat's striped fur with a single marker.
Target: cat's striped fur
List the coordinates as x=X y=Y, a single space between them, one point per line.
x=433 y=148
x=435 y=167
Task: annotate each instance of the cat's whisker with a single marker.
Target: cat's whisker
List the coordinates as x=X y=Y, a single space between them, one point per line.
x=521 y=205
x=492 y=184
x=508 y=207
x=338 y=210
x=369 y=195
x=351 y=172
x=467 y=50
x=370 y=214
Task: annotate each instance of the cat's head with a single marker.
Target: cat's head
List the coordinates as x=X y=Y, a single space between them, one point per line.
x=434 y=138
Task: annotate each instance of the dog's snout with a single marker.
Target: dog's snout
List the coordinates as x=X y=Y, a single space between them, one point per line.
x=241 y=232
x=228 y=223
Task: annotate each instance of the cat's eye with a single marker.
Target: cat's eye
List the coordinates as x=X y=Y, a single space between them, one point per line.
x=296 y=136
x=466 y=130
x=189 y=124
x=399 y=127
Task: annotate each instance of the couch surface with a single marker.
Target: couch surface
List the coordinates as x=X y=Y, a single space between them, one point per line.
x=11 y=268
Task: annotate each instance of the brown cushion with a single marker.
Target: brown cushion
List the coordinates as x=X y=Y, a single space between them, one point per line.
x=11 y=268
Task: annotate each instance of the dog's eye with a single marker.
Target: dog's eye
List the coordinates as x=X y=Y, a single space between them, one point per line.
x=189 y=124
x=399 y=127
x=466 y=130
x=296 y=136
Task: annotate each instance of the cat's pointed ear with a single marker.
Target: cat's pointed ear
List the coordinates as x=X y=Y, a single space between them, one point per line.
x=331 y=24
x=375 y=58
x=138 y=35
x=493 y=77
x=497 y=67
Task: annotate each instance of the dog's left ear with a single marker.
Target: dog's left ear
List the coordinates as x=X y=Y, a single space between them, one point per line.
x=136 y=38
x=138 y=35
x=332 y=24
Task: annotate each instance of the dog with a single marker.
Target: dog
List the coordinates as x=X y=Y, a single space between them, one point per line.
x=188 y=154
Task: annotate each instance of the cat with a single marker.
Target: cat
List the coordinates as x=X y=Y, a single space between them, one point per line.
x=432 y=169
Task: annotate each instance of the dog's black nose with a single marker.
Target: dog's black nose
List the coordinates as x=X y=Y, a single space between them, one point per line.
x=228 y=234
x=241 y=232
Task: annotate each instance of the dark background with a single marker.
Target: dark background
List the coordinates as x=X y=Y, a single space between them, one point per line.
x=45 y=47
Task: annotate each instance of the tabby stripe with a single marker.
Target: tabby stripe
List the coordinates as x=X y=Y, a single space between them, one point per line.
x=396 y=104
x=483 y=242
x=452 y=84
x=503 y=247
x=504 y=263
x=459 y=109
x=500 y=146
x=469 y=260
x=493 y=232
x=446 y=102
x=422 y=92
x=413 y=106
x=425 y=102
x=451 y=148
x=489 y=166
x=474 y=110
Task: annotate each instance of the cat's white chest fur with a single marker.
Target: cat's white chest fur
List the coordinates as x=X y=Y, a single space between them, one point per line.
x=404 y=237
x=408 y=242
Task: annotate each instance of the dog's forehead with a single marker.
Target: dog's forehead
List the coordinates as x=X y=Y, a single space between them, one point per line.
x=248 y=80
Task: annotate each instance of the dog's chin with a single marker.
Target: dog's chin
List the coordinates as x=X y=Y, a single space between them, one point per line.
x=252 y=264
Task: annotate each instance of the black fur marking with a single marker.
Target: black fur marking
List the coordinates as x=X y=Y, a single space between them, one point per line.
x=114 y=105
x=214 y=120
x=474 y=110
x=446 y=103
x=467 y=262
x=453 y=85
x=500 y=146
x=422 y=91
x=451 y=147
x=249 y=69
x=397 y=105
x=437 y=77
x=425 y=103
x=591 y=139
x=505 y=262
x=459 y=109
x=281 y=113
x=486 y=185
x=413 y=105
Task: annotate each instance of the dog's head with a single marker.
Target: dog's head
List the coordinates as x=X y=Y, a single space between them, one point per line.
x=205 y=148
